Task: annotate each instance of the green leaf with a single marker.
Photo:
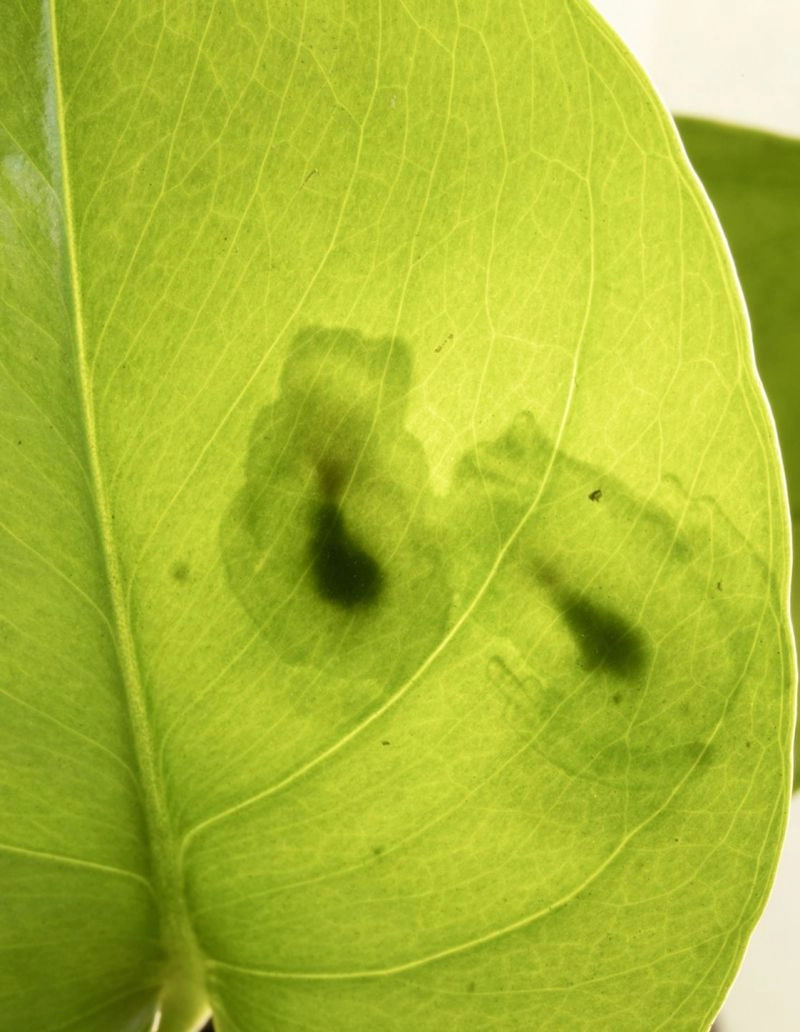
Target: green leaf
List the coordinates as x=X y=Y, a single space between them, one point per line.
x=396 y=631
x=752 y=179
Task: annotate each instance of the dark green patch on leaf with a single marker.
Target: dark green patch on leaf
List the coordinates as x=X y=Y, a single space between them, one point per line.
x=344 y=573
x=605 y=638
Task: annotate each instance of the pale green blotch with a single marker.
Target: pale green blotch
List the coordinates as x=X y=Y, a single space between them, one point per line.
x=621 y=622
x=328 y=544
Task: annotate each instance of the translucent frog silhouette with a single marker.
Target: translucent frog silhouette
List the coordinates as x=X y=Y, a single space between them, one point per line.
x=328 y=545
x=621 y=622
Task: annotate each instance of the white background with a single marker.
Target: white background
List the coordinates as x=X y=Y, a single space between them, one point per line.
x=735 y=61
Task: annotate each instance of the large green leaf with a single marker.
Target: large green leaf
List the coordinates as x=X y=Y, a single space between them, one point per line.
x=753 y=178
x=398 y=555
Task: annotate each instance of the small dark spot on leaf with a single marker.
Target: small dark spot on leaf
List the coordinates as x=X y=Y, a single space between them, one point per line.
x=719 y=585
x=470 y=987
x=180 y=571
x=596 y=495
x=386 y=742
x=377 y=850
x=747 y=745
x=616 y=698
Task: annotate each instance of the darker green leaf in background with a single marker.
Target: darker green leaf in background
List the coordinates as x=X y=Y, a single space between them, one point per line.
x=753 y=180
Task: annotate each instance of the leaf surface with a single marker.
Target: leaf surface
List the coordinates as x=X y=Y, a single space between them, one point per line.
x=397 y=546
x=752 y=178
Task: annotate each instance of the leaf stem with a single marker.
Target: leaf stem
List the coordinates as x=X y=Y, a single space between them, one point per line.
x=183 y=996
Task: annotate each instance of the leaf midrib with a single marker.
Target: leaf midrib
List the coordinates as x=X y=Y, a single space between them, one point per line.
x=183 y=962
